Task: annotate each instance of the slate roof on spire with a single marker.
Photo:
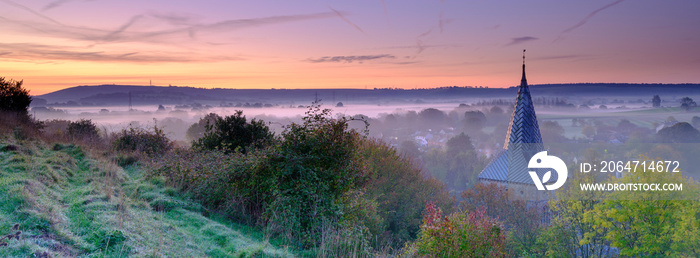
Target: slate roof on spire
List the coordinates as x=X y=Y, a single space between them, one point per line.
x=523 y=139
x=523 y=127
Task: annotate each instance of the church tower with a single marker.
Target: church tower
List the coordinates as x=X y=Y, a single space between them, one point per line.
x=523 y=140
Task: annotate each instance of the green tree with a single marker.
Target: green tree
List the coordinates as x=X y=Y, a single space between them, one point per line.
x=401 y=190
x=570 y=234
x=13 y=97
x=462 y=158
x=645 y=223
x=656 y=101
x=234 y=133
x=496 y=110
x=432 y=118
x=410 y=149
x=679 y=133
x=552 y=131
x=436 y=163
x=687 y=103
x=197 y=130
x=474 y=120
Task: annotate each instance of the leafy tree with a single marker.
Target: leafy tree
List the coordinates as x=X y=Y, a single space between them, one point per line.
x=401 y=192
x=410 y=149
x=436 y=163
x=496 y=110
x=687 y=103
x=656 y=101
x=462 y=158
x=234 y=133
x=570 y=234
x=13 y=97
x=679 y=133
x=645 y=223
x=474 y=120
x=552 y=131
x=432 y=118
x=197 y=130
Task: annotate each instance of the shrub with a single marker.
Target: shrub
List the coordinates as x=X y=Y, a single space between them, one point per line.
x=140 y=140
x=56 y=128
x=316 y=166
x=460 y=234
x=83 y=130
x=292 y=188
x=522 y=218
x=234 y=133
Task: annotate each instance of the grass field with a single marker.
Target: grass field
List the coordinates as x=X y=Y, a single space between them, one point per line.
x=65 y=203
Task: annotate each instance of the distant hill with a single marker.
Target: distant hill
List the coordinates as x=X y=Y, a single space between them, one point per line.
x=118 y=95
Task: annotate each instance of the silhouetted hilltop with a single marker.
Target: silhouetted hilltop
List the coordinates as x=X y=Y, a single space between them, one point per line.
x=104 y=95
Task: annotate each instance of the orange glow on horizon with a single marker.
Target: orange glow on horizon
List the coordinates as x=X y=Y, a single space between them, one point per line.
x=246 y=45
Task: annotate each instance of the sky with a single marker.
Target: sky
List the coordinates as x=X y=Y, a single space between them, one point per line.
x=55 y=44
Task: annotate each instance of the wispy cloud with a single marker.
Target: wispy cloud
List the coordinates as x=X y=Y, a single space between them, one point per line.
x=175 y=19
x=179 y=26
x=590 y=15
x=342 y=17
x=29 y=51
x=30 y=10
x=58 y=3
x=520 y=40
x=350 y=59
x=564 y=57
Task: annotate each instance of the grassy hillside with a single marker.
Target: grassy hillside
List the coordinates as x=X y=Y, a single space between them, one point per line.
x=65 y=203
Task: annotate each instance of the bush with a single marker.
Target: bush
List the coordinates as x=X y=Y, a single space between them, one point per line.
x=522 y=218
x=56 y=128
x=140 y=140
x=83 y=130
x=234 y=133
x=316 y=166
x=319 y=184
x=292 y=188
x=460 y=235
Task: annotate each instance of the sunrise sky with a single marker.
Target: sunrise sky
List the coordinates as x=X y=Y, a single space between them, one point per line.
x=346 y=44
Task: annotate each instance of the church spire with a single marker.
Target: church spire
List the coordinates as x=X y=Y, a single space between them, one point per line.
x=523 y=81
x=523 y=127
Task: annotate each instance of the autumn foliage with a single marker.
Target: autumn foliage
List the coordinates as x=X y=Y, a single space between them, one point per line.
x=461 y=234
